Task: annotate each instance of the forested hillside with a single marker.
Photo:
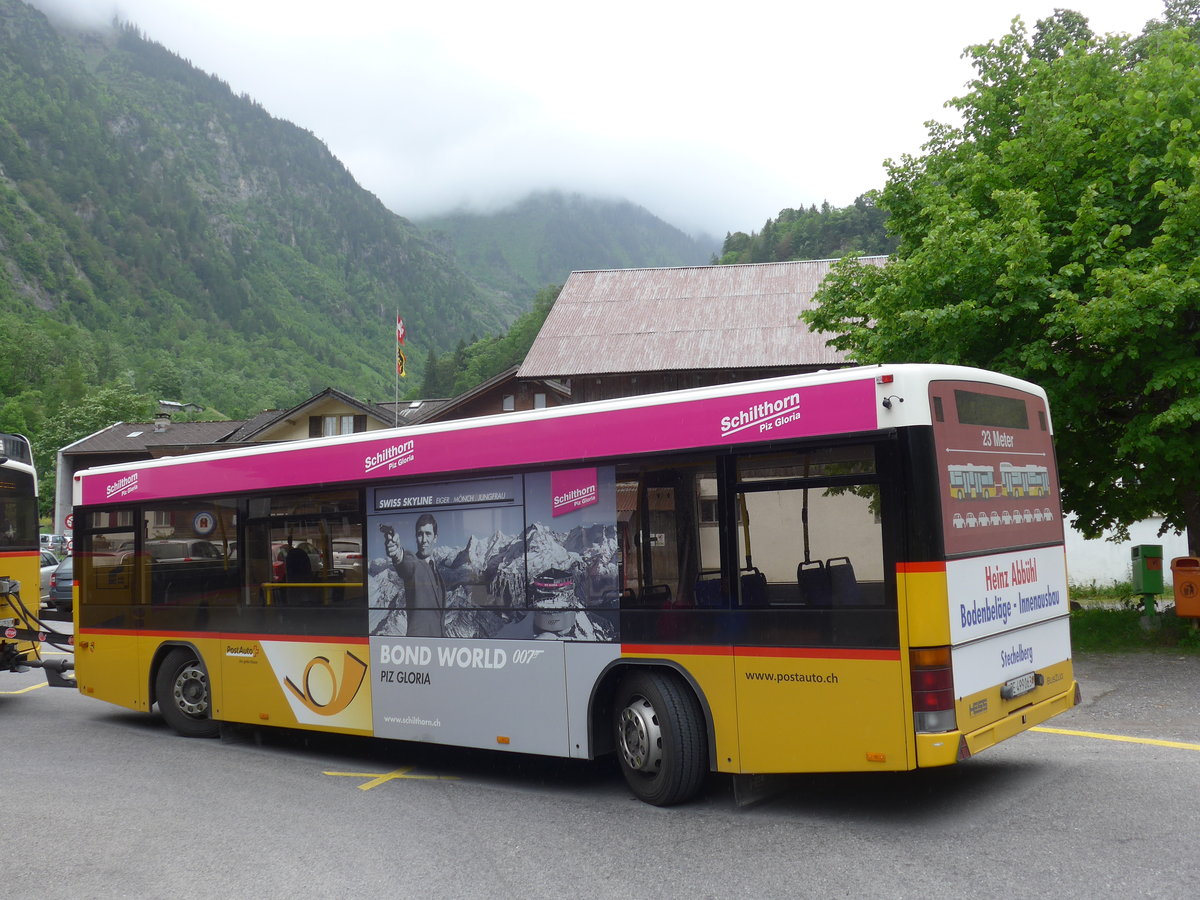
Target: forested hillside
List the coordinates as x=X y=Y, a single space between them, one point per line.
x=164 y=238
x=158 y=231
x=543 y=238
x=825 y=233
x=450 y=374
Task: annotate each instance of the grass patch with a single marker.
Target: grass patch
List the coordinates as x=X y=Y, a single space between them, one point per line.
x=1110 y=619
x=1107 y=596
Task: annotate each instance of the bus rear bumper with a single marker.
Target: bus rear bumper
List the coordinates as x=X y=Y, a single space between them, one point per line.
x=943 y=749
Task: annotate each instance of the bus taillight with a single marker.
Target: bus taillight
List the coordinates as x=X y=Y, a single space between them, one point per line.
x=932 y=689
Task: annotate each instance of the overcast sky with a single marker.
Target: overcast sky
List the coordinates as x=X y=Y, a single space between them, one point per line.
x=713 y=116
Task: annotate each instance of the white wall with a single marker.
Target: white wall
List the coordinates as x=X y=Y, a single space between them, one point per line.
x=1104 y=562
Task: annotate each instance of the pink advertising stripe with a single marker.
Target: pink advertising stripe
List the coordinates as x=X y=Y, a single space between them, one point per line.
x=768 y=415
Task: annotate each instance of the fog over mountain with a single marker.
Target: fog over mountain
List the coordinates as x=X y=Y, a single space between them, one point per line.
x=712 y=118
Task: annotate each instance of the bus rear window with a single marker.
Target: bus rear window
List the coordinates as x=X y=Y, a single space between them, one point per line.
x=974 y=408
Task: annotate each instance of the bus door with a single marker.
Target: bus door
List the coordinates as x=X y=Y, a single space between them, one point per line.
x=675 y=602
x=112 y=597
x=818 y=670
x=670 y=571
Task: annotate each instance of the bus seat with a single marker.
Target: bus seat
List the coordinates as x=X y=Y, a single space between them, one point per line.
x=709 y=592
x=843 y=586
x=754 y=588
x=656 y=596
x=813 y=579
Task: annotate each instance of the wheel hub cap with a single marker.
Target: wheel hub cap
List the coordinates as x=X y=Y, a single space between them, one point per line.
x=191 y=691
x=640 y=736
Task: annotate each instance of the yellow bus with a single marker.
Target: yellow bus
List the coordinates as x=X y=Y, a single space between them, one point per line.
x=764 y=577
x=21 y=633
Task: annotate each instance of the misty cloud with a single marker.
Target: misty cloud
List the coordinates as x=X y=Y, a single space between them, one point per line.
x=712 y=117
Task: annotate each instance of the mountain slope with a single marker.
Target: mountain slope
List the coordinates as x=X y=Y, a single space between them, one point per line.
x=155 y=227
x=543 y=238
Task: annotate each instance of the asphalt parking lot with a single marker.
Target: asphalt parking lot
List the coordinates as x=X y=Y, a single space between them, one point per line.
x=105 y=802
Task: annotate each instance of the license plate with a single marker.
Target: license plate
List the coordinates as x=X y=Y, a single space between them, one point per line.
x=1018 y=686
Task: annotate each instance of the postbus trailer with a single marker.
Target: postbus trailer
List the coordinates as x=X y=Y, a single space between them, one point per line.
x=753 y=578
x=21 y=634
x=1024 y=481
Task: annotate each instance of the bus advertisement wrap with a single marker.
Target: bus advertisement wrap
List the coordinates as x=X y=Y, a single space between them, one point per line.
x=769 y=415
x=502 y=693
x=512 y=562
x=993 y=594
x=996 y=469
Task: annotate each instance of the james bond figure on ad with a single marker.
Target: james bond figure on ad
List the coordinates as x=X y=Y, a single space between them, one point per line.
x=424 y=593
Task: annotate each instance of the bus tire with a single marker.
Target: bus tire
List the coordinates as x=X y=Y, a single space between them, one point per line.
x=184 y=699
x=661 y=742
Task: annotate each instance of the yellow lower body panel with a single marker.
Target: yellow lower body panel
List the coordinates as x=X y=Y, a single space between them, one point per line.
x=821 y=711
x=942 y=749
x=320 y=685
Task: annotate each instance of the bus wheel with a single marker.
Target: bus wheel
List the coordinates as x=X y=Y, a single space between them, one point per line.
x=661 y=742
x=181 y=687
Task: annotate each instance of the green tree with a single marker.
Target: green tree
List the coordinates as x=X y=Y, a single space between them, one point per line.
x=1055 y=234
x=813 y=233
x=493 y=355
x=98 y=409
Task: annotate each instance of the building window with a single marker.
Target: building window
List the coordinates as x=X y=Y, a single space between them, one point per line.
x=509 y=402
x=337 y=425
x=539 y=401
x=327 y=426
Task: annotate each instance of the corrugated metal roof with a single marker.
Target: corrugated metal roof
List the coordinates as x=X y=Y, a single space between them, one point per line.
x=703 y=317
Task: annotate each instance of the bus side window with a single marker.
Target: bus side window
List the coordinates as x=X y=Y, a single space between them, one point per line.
x=810 y=524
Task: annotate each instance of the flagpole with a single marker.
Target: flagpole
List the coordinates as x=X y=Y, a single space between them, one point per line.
x=396 y=400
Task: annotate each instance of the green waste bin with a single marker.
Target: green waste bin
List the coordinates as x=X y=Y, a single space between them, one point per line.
x=1147 y=568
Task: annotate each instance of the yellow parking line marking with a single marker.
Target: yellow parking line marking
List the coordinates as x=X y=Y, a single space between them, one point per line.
x=378 y=778
x=1178 y=745
x=32 y=687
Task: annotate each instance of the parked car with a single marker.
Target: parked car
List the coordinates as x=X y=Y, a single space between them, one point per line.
x=49 y=564
x=172 y=550
x=56 y=543
x=59 y=592
x=62 y=578
x=347 y=553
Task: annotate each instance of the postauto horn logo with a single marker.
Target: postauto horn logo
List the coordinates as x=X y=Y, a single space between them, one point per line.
x=343 y=692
